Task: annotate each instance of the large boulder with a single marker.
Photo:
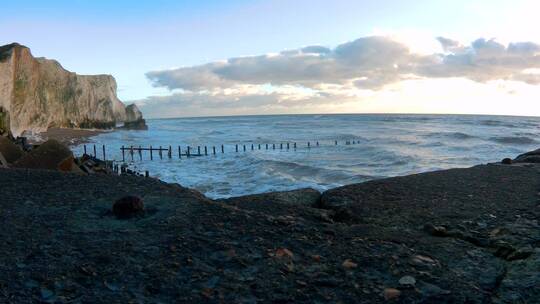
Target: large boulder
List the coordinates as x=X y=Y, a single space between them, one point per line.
x=306 y=197
x=9 y=150
x=51 y=155
x=529 y=157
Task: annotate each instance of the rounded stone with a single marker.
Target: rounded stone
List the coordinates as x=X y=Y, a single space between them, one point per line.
x=506 y=161
x=128 y=206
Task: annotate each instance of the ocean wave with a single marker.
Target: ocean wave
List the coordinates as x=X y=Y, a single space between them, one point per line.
x=497 y=123
x=451 y=135
x=517 y=140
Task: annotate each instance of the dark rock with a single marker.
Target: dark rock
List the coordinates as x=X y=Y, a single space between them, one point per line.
x=51 y=155
x=302 y=197
x=435 y=230
x=529 y=157
x=506 y=161
x=128 y=206
x=10 y=150
x=135 y=125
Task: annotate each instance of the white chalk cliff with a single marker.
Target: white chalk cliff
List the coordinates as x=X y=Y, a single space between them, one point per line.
x=38 y=93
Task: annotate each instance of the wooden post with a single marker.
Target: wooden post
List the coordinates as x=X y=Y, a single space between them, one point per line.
x=170 y=152
x=281 y=146
x=84 y=149
x=317 y=144
x=146 y=173
x=188 y=151
x=266 y=146
x=95 y=154
x=103 y=149
x=288 y=146
x=244 y=148
x=336 y=142
x=151 y=153
x=160 y=153
x=273 y=146
x=236 y=147
x=199 y=150
x=205 y=151
x=214 y=149
x=131 y=152
x=259 y=146
x=222 y=149
x=140 y=153
x=308 y=145
x=294 y=145
x=123 y=155
x=251 y=147
x=179 y=152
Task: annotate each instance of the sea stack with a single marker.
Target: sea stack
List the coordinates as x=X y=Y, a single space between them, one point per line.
x=38 y=93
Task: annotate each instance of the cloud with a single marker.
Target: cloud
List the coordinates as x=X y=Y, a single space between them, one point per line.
x=315 y=75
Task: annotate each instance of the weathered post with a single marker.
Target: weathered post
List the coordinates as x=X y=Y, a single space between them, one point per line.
x=151 y=153
x=179 y=152
x=244 y=148
x=266 y=146
x=259 y=146
x=214 y=149
x=103 y=149
x=84 y=149
x=160 y=152
x=140 y=153
x=317 y=144
x=281 y=146
x=205 y=151
x=222 y=149
x=251 y=147
x=336 y=142
x=236 y=147
x=95 y=154
x=294 y=145
x=273 y=146
x=123 y=155
x=199 y=150
x=170 y=152
x=146 y=173
x=288 y=146
x=309 y=145
x=188 y=151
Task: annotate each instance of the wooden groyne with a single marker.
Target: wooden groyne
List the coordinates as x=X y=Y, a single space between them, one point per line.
x=133 y=153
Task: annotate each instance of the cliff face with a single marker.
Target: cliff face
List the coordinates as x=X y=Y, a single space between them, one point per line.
x=37 y=94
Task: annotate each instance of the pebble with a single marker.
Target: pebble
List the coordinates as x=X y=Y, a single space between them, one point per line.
x=391 y=293
x=407 y=281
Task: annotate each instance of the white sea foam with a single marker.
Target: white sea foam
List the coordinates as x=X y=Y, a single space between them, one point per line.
x=386 y=145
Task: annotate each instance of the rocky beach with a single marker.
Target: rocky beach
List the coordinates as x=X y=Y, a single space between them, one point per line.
x=454 y=236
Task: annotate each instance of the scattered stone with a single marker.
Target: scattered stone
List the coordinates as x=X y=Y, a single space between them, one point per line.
x=391 y=294
x=430 y=290
x=407 y=281
x=128 y=206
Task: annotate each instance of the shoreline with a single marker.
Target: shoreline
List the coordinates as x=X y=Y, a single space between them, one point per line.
x=449 y=236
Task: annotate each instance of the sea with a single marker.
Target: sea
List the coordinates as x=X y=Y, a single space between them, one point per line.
x=368 y=147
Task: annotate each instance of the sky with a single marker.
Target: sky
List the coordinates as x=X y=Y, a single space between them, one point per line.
x=208 y=58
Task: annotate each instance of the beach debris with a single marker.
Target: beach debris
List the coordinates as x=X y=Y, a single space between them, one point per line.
x=506 y=161
x=283 y=253
x=128 y=206
x=408 y=281
x=391 y=294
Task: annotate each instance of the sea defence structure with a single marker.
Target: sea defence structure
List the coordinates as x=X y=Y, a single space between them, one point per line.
x=38 y=93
